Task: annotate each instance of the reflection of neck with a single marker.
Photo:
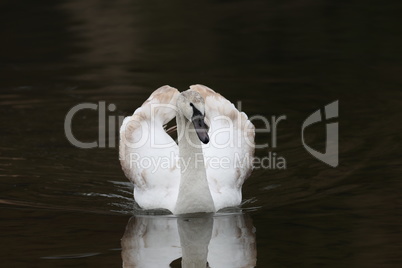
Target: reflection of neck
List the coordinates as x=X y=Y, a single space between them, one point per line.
x=195 y=235
x=194 y=194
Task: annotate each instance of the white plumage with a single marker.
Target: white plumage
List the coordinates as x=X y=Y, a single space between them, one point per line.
x=171 y=176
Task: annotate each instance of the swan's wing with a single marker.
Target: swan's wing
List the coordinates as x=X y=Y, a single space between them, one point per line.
x=229 y=154
x=148 y=153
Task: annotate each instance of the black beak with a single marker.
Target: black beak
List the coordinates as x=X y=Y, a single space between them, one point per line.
x=201 y=128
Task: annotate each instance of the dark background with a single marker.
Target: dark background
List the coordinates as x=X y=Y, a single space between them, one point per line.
x=62 y=206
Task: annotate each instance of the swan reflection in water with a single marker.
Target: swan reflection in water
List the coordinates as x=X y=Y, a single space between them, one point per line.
x=213 y=240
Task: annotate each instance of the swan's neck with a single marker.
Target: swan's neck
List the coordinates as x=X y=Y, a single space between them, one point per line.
x=194 y=194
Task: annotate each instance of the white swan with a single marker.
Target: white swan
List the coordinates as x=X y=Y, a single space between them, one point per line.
x=189 y=177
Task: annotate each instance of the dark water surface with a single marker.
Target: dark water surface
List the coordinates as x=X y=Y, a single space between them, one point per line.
x=62 y=206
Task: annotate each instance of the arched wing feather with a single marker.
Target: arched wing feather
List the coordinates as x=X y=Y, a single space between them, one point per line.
x=148 y=153
x=229 y=154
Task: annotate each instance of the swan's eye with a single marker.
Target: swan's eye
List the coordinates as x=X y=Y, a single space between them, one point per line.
x=192 y=105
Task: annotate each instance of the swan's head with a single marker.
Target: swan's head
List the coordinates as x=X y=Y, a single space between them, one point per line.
x=191 y=105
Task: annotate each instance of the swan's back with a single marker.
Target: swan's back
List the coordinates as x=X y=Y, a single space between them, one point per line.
x=229 y=154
